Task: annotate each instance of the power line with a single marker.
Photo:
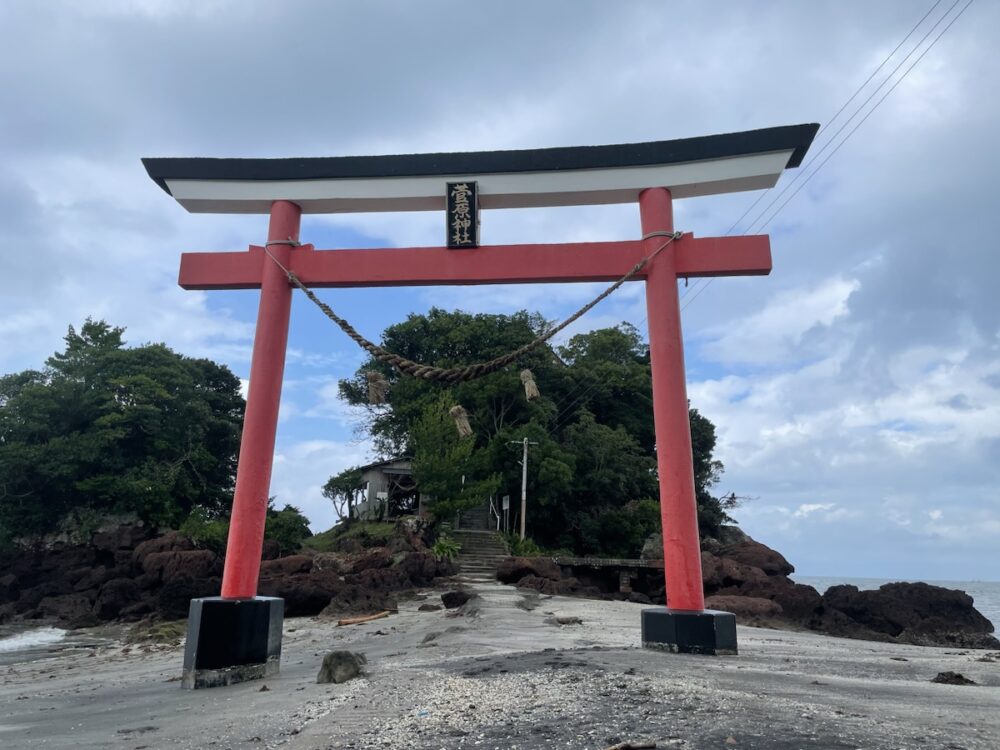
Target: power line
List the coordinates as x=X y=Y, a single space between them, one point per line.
x=855 y=128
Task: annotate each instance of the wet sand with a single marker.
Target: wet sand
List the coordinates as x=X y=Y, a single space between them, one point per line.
x=507 y=676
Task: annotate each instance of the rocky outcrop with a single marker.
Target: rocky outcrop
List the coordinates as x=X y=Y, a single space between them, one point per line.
x=513 y=569
x=124 y=575
x=750 y=579
x=916 y=613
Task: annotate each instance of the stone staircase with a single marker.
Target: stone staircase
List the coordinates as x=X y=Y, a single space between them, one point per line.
x=481 y=552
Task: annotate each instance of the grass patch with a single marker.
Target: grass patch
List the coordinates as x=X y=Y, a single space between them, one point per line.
x=368 y=533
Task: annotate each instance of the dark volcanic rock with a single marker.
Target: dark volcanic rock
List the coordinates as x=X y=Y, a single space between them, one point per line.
x=304 y=594
x=286 y=566
x=800 y=604
x=758 y=555
x=121 y=537
x=563 y=587
x=10 y=588
x=452 y=599
x=73 y=609
x=357 y=600
x=172 y=541
x=952 y=678
x=748 y=609
x=197 y=563
x=513 y=569
x=917 y=613
x=721 y=572
x=115 y=596
x=340 y=666
x=373 y=560
x=174 y=599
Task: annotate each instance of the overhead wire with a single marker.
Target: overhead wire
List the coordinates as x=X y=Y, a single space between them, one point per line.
x=703 y=284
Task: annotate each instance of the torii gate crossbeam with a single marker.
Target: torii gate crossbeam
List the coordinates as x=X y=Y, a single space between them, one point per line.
x=651 y=174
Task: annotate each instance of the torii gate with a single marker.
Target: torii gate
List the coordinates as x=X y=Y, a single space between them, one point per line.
x=238 y=635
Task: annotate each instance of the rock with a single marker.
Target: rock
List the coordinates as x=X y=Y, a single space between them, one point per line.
x=722 y=572
x=653 y=548
x=304 y=594
x=357 y=600
x=422 y=568
x=10 y=589
x=114 y=597
x=513 y=569
x=639 y=598
x=746 y=608
x=917 y=613
x=800 y=604
x=172 y=541
x=271 y=550
x=453 y=599
x=340 y=666
x=757 y=555
x=73 y=609
x=32 y=597
x=952 y=678
x=373 y=560
x=326 y=561
x=197 y=563
x=286 y=566
x=119 y=537
x=92 y=578
x=174 y=600
x=429 y=608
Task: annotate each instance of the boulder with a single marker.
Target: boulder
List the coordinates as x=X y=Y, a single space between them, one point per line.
x=453 y=599
x=917 y=613
x=357 y=600
x=422 y=568
x=653 y=548
x=126 y=536
x=172 y=541
x=513 y=569
x=372 y=560
x=747 y=609
x=757 y=555
x=799 y=603
x=196 y=563
x=271 y=550
x=174 y=599
x=340 y=666
x=286 y=566
x=721 y=572
x=114 y=597
x=73 y=609
x=10 y=588
x=305 y=594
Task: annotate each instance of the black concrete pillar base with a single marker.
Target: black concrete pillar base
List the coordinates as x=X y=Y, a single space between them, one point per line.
x=685 y=632
x=232 y=640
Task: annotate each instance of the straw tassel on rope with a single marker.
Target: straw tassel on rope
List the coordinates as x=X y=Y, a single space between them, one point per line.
x=378 y=388
x=461 y=417
x=530 y=387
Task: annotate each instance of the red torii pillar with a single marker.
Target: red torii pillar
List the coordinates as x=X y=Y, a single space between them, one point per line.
x=568 y=262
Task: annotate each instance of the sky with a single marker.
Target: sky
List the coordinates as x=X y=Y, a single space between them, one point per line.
x=856 y=390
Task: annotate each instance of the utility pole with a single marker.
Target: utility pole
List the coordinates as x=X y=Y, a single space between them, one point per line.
x=524 y=478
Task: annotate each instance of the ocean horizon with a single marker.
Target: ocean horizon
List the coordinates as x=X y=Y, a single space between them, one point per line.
x=985 y=594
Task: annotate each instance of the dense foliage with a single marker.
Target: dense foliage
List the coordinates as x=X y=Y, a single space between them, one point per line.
x=592 y=474
x=287 y=527
x=109 y=429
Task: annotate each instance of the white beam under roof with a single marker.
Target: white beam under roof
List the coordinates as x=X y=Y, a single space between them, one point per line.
x=507 y=179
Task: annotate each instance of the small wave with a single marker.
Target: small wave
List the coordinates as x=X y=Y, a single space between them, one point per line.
x=31 y=639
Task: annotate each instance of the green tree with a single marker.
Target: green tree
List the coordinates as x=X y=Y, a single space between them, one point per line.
x=447 y=467
x=116 y=429
x=344 y=490
x=592 y=474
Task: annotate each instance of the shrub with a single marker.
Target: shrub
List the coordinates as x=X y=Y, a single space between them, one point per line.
x=446 y=547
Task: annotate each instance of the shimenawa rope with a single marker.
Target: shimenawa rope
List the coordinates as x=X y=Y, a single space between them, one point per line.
x=479 y=369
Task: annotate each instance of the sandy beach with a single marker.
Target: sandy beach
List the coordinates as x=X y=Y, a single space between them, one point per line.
x=505 y=674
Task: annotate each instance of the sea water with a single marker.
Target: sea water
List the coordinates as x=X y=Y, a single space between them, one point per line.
x=985 y=594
